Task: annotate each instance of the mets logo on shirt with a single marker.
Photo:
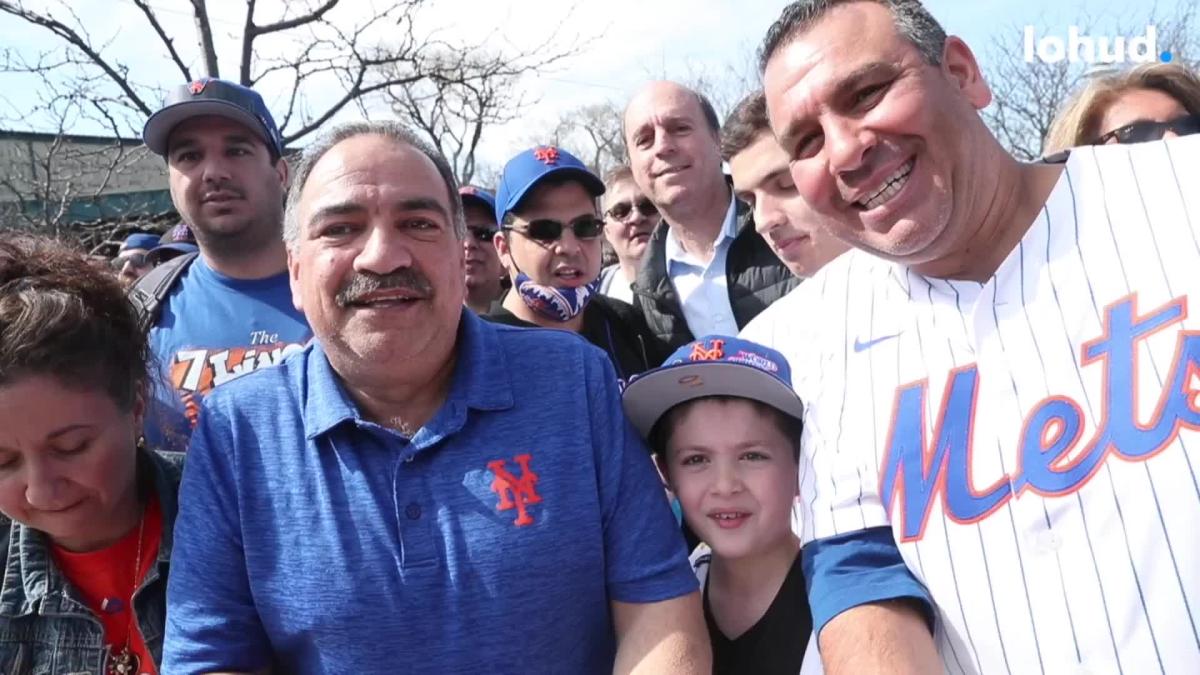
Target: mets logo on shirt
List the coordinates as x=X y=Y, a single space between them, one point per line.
x=517 y=491
x=1054 y=457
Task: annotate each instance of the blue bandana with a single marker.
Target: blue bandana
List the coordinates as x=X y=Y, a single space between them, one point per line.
x=559 y=303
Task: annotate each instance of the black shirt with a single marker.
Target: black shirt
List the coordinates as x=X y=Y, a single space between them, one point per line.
x=775 y=644
x=614 y=326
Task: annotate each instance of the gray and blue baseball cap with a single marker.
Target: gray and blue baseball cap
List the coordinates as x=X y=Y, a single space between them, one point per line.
x=210 y=96
x=529 y=168
x=714 y=365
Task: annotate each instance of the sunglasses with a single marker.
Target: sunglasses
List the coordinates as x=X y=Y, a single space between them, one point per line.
x=621 y=210
x=135 y=259
x=547 y=231
x=1145 y=130
x=482 y=234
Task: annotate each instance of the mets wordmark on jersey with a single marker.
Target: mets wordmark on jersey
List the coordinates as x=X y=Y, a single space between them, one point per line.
x=1032 y=441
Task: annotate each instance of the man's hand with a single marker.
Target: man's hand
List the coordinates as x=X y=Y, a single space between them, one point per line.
x=662 y=638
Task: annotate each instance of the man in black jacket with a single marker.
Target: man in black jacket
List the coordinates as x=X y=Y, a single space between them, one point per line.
x=550 y=242
x=706 y=270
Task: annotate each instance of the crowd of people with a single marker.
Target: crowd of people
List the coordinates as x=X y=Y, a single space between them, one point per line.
x=880 y=399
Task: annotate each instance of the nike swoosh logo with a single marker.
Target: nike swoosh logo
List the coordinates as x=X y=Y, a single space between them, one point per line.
x=860 y=346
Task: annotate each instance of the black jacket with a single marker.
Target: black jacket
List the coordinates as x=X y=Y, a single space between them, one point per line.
x=612 y=325
x=755 y=275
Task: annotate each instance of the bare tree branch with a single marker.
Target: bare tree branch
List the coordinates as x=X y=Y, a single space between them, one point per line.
x=166 y=39
x=81 y=43
x=204 y=35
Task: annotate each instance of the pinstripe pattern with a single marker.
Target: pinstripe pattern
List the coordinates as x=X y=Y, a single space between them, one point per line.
x=1102 y=574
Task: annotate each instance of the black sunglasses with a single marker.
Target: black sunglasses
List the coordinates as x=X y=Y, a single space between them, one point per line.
x=546 y=230
x=621 y=210
x=482 y=234
x=135 y=259
x=1145 y=130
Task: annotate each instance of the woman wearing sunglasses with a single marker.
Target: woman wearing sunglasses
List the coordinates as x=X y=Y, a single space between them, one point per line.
x=550 y=241
x=87 y=510
x=1145 y=103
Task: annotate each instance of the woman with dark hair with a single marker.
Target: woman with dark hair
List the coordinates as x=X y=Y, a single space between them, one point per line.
x=87 y=509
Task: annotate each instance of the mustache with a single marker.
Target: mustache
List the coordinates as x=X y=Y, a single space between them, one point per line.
x=363 y=284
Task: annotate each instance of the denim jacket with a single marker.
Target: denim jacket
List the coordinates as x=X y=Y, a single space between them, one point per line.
x=46 y=628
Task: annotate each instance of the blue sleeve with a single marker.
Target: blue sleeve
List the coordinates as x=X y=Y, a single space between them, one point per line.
x=857 y=568
x=644 y=552
x=212 y=623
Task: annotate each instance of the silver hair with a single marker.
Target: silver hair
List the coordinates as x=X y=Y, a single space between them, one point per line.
x=347 y=130
x=912 y=20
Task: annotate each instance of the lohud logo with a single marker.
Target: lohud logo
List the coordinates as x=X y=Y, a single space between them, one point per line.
x=1094 y=48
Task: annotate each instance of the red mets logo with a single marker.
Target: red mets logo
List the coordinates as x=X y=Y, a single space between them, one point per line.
x=515 y=493
x=546 y=155
x=714 y=352
x=198 y=86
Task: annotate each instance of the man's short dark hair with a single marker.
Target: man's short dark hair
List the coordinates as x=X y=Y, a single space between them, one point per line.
x=744 y=125
x=912 y=20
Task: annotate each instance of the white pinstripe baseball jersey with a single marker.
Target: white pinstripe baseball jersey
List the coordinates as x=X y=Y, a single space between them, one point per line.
x=1032 y=440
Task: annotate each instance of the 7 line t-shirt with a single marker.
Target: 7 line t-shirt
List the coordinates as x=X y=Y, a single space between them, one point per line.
x=214 y=329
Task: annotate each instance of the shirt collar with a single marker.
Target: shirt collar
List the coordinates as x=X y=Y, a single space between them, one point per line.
x=481 y=380
x=729 y=230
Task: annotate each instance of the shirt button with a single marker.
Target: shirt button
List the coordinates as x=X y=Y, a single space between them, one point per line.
x=409 y=459
x=1048 y=542
x=413 y=511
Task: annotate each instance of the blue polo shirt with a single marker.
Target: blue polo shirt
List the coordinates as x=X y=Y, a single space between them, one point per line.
x=315 y=541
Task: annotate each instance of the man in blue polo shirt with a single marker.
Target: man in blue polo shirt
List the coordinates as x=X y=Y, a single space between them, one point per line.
x=419 y=490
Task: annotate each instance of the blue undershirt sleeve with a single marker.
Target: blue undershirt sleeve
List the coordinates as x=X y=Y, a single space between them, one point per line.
x=857 y=568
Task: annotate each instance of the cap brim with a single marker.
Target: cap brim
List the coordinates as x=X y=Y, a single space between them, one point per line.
x=159 y=126
x=590 y=181
x=478 y=201
x=650 y=396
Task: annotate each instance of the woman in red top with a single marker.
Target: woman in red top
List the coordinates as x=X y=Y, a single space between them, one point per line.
x=87 y=511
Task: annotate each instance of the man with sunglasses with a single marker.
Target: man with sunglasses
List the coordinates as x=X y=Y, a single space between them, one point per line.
x=629 y=220
x=550 y=243
x=485 y=275
x=130 y=263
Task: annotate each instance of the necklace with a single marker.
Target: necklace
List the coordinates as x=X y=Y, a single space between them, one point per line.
x=126 y=662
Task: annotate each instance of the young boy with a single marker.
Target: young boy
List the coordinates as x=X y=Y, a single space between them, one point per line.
x=724 y=424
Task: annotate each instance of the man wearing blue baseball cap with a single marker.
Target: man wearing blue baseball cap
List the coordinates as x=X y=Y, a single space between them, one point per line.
x=550 y=241
x=485 y=275
x=130 y=262
x=226 y=311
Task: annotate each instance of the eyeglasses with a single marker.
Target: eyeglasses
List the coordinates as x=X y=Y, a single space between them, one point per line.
x=135 y=259
x=1146 y=130
x=548 y=231
x=621 y=210
x=483 y=235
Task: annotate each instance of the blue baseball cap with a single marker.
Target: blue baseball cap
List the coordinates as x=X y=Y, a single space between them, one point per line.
x=714 y=365
x=470 y=193
x=140 y=240
x=527 y=169
x=210 y=96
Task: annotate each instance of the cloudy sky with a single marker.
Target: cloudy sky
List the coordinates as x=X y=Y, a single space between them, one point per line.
x=624 y=42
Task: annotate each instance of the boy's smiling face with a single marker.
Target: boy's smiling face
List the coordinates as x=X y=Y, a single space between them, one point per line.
x=733 y=469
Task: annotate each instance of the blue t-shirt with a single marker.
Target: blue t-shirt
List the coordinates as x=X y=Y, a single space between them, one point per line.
x=316 y=541
x=212 y=329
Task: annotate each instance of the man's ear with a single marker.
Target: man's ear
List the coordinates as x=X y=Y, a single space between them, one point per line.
x=294 y=276
x=959 y=64
x=500 y=241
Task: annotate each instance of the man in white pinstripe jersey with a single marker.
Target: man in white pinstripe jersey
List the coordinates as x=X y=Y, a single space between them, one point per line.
x=1003 y=382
